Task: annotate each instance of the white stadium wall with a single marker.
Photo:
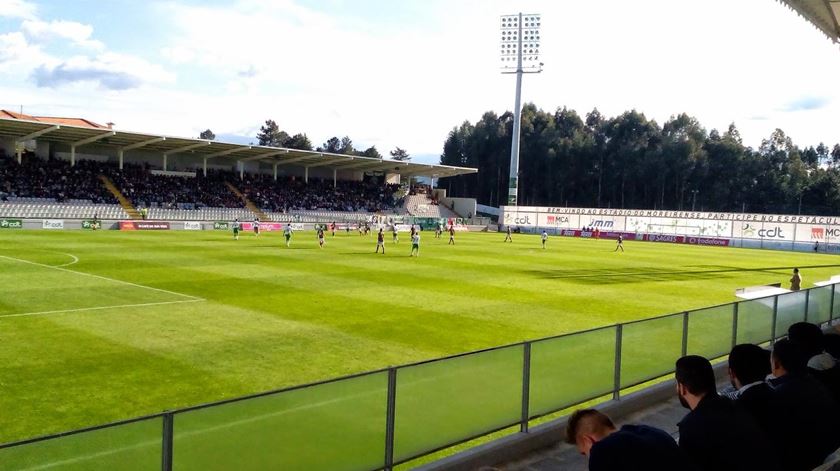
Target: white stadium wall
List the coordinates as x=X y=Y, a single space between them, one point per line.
x=777 y=231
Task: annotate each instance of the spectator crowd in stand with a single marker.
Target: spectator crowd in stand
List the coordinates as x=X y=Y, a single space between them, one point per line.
x=57 y=179
x=288 y=194
x=782 y=413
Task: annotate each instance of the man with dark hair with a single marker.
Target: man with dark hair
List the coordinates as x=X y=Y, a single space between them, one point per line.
x=821 y=364
x=715 y=434
x=806 y=414
x=631 y=448
x=748 y=366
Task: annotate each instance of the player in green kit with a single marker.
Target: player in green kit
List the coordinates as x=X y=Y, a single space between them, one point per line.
x=415 y=244
x=395 y=237
x=287 y=233
x=544 y=238
x=236 y=227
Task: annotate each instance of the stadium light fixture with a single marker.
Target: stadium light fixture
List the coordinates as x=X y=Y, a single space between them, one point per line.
x=520 y=54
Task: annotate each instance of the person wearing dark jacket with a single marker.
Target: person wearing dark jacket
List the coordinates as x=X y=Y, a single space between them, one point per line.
x=716 y=435
x=748 y=366
x=630 y=448
x=807 y=416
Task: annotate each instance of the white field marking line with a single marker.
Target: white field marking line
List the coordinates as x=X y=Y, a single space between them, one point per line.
x=98 y=308
x=75 y=260
x=256 y=418
x=102 y=278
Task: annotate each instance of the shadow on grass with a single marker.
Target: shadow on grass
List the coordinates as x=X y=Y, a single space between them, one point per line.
x=637 y=275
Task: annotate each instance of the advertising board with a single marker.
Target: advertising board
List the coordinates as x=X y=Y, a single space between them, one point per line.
x=53 y=224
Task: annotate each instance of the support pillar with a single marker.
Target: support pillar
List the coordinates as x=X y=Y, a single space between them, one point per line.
x=275 y=172
x=72 y=156
x=165 y=158
x=204 y=167
x=241 y=170
x=306 y=174
x=335 y=177
x=19 y=156
x=120 y=155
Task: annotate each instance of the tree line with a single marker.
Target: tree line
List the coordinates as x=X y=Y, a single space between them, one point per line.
x=271 y=135
x=629 y=161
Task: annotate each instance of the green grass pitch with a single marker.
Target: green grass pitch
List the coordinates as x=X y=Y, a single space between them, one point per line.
x=102 y=326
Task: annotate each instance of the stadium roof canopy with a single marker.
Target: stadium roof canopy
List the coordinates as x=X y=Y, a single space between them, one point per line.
x=824 y=14
x=48 y=130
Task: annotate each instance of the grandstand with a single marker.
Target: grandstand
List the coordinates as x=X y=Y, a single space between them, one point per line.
x=122 y=175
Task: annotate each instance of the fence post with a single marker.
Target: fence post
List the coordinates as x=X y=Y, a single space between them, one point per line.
x=831 y=309
x=389 y=419
x=807 y=302
x=685 y=335
x=526 y=387
x=617 y=372
x=166 y=450
x=735 y=324
x=775 y=314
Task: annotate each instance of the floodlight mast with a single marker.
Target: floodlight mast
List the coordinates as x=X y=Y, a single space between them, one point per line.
x=509 y=23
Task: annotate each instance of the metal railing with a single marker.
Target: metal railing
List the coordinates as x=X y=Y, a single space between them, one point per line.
x=379 y=419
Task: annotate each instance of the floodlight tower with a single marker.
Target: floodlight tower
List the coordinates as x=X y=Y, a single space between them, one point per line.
x=520 y=55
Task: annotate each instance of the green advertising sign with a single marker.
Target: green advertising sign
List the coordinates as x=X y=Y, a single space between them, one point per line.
x=91 y=224
x=221 y=225
x=11 y=224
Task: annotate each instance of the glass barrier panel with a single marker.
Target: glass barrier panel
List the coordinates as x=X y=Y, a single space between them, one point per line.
x=557 y=378
x=836 y=306
x=446 y=401
x=333 y=426
x=710 y=331
x=755 y=321
x=819 y=304
x=132 y=447
x=650 y=348
x=790 y=310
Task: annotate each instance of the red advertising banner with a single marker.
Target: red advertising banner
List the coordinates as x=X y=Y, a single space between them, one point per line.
x=707 y=241
x=144 y=226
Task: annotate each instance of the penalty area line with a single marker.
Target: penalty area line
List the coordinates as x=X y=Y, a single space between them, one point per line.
x=195 y=298
x=98 y=308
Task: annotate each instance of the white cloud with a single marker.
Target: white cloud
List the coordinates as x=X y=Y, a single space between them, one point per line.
x=77 y=33
x=109 y=71
x=17 y=9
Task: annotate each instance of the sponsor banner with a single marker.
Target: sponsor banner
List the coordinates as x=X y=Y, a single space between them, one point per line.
x=144 y=225
x=566 y=221
x=11 y=224
x=764 y=231
x=513 y=217
x=817 y=233
x=53 y=224
x=707 y=241
x=604 y=223
x=221 y=225
x=91 y=224
x=652 y=213
x=674 y=239
x=264 y=226
x=192 y=226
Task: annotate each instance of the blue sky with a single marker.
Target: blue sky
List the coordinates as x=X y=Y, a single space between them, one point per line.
x=403 y=73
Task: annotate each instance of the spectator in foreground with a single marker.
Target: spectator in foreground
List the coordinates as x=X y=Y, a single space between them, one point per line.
x=821 y=364
x=715 y=434
x=748 y=366
x=631 y=448
x=806 y=414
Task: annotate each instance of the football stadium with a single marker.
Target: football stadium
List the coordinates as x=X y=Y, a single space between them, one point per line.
x=178 y=303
